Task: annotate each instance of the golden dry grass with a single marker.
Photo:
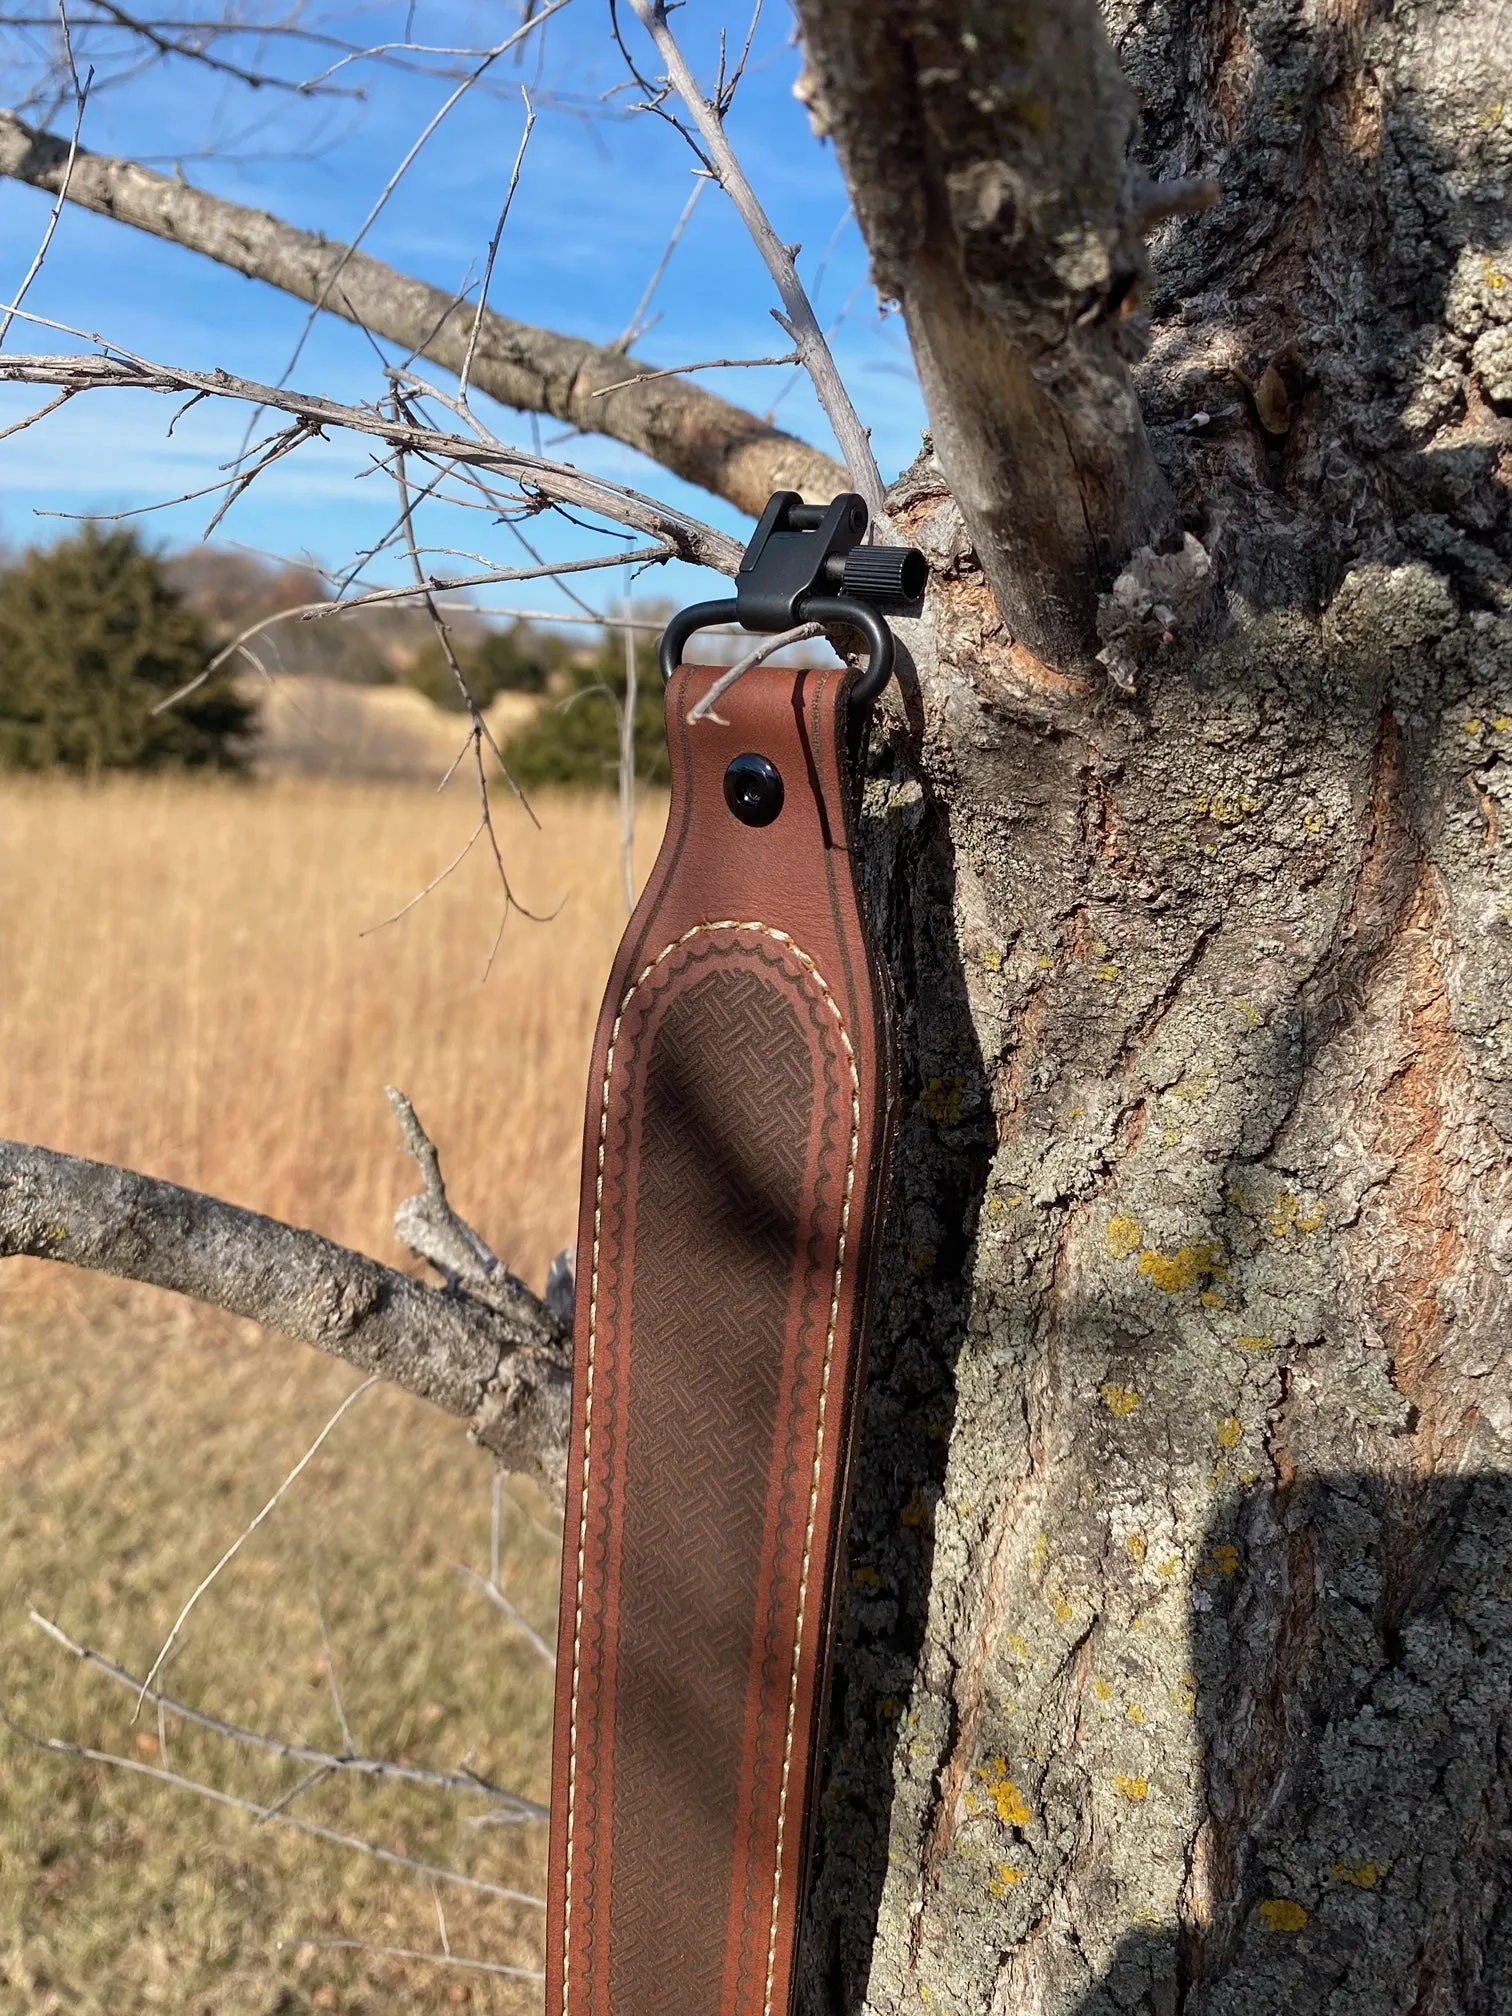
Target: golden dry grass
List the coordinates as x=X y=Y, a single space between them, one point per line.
x=184 y=987
x=187 y=989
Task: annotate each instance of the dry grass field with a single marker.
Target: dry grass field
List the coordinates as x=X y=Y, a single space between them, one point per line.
x=185 y=986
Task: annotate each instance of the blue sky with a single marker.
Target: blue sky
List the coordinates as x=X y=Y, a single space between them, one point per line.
x=599 y=193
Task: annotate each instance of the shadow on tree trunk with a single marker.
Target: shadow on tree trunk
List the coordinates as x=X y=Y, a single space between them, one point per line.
x=942 y=1150
x=1351 y=1648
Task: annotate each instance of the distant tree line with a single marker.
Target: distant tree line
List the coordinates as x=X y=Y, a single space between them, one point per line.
x=97 y=631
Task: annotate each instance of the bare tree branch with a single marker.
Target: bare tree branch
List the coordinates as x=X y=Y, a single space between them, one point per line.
x=985 y=146
x=410 y=1953
x=689 y=431
x=797 y=316
x=81 y=99
x=497 y=1597
x=463 y=1783
x=433 y=1871
x=502 y=1366
x=555 y=481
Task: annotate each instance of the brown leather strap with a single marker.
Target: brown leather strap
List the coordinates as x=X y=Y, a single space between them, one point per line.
x=734 y=1166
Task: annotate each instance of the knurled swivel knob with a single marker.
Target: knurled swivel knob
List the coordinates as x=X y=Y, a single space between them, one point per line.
x=884 y=574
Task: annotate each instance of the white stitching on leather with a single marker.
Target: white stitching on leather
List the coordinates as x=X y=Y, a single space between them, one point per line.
x=781 y=938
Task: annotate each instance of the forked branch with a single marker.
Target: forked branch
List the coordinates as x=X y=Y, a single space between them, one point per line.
x=501 y=1365
x=986 y=147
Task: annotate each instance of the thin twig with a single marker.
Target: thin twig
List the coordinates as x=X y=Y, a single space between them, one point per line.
x=497 y=1597
x=285 y=1800
x=682 y=537
x=481 y=731
x=493 y=247
x=81 y=94
x=390 y=1856
x=635 y=328
x=330 y=1667
x=236 y=1545
x=473 y=77
x=767 y=648
x=705 y=364
x=627 y=763
x=409 y=1953
x=464 y=1783
x=797 y=316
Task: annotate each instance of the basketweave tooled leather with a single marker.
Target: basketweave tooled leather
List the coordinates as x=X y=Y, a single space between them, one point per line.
x=735 y=1162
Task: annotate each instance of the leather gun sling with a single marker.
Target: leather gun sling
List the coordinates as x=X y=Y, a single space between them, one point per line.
x=735 y=1149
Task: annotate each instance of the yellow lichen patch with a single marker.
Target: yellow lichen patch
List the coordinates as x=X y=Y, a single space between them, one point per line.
x=1314 y=823
x=1282 y=1914
x=1502 y=723
x=1123 y=1236
x=1256 y=1343
x=1135 y=1714
x=1171 y=1272
x=1039 y=1553
x=1108 y=971
x=1225 y=1558
x=1363 y=1875
x=1010 y=1804
x=1192 y=1090
x=918 y=1511
x=942 y=1099
x=1184 y=1694
x=1474 y=727
x=1062 y=1609
x=866 y=1578
x=993 y=961
x=1018 y=1645
x=1004 y=1878
x=1289 y=1215
x=1227 y=811
x=1230 y=1432
x=1137 y=1547
x=891 y=1707
x=1213 y=1298
x=1101 y=1690
x=1248 y=1013
x=1136 y=1790
x=1119 y=1400
x=1167 y=1569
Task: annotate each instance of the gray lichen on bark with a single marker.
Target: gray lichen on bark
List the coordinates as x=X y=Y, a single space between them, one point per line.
x=1173 y=1670
x=1176 y=1647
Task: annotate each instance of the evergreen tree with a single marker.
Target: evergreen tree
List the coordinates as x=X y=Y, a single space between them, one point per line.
x=576 y=740
x=92 y=639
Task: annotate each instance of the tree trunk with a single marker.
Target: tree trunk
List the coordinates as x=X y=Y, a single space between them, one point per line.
x=1174 y=1672
x=1174 y=1668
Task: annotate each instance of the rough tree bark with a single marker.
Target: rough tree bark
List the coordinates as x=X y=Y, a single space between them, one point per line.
x=1176 y=1664
x=1174 y=1670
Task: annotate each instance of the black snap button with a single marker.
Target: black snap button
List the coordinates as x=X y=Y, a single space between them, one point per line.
x=753 y=790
